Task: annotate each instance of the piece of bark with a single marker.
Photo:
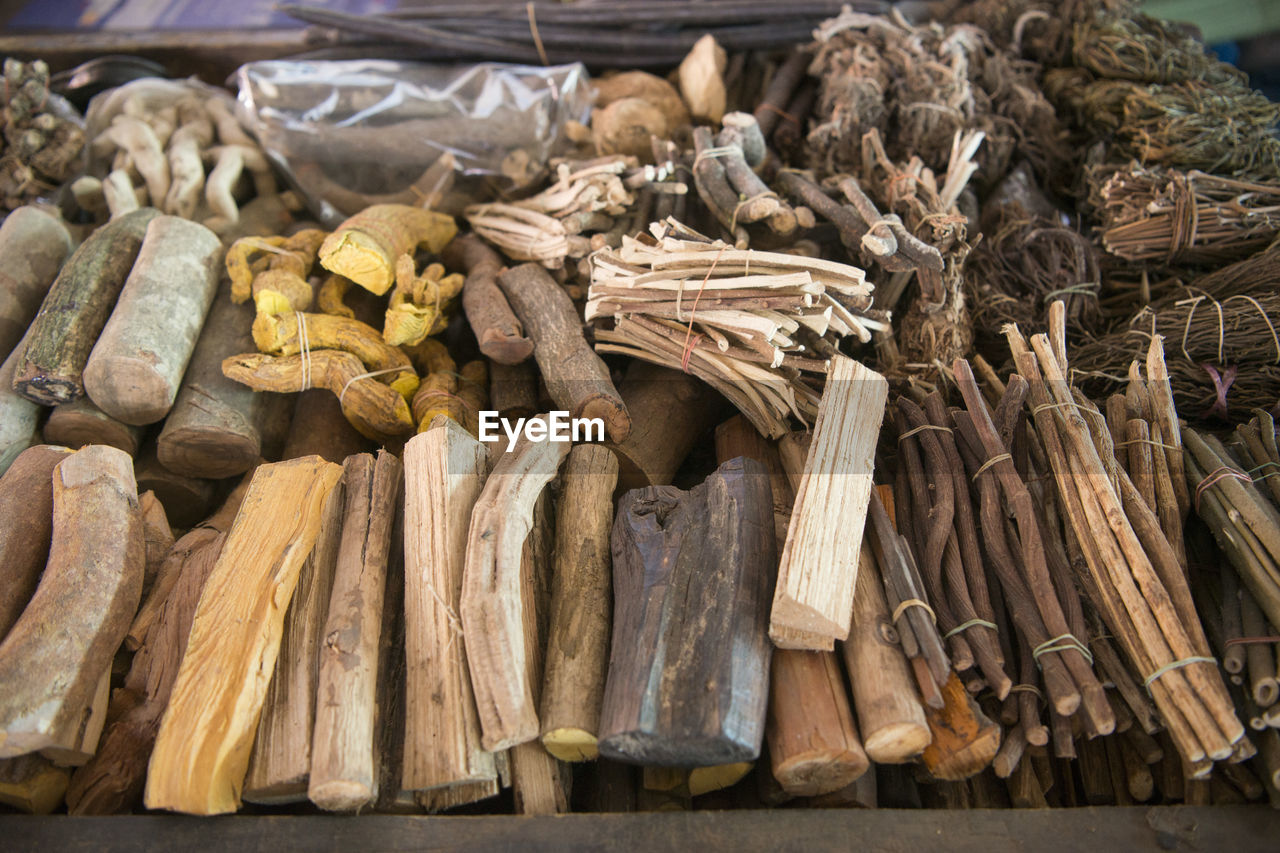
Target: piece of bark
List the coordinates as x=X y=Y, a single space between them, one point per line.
x=203 y=747
x=513 y=389
x=218 y=427
x=577 y=651
x=344 y=763
x=187 y=500
x=818 y=567
x=32 y=783
x=26 y=526
x=499 y=333
x=964 y=740
x=19 y=417
x=76 y=309
x=157 y=537
x=576 y=378
x=55 y=655
x=494 y=592
x=319 y=428
x=445 y=469
x=136 y=367
x=33 y=245
x=81 y=422
x=670 y=411
x=692 y=570
x=280 y=766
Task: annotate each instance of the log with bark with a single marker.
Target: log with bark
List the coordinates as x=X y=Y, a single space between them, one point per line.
x=26 y=527
x=499 y=333
x=33 y=245
x=81 y=422
x=670 y=411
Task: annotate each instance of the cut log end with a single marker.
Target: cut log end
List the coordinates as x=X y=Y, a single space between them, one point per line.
x=568 y=744
x=130 y=389
x=898 y=743
x=341 y=795
x=48 y=390
x=504 y=349
x=207 y=452
x=820 y=771
x=617 y=422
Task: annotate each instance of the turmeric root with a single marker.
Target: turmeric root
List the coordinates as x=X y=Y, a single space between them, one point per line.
x=278 y=334
x=367 y=246
x=418 y=302
x=277 y=281
x=374 y=409
x=430 y=356
x=330 y=295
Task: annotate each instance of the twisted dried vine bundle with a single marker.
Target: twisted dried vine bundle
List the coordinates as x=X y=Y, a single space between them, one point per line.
x=1141 y=48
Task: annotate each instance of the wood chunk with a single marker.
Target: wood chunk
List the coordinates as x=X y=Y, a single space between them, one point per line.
x=33 y=245
x=187 y=500
x=498 y=332
x=26 y=526
x=577 y=651
x=203 y=747
x=820 y=559
x=445 y=469
x=391 y=708
x=280 y=766
x=54 y=657
x=80 y=423
x=687 y=679
x=670 y=411
x=32 y=783
x=964 y=740
x=344 y=760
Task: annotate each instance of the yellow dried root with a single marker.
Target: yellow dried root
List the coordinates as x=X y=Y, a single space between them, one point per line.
x=243 y=266
x=367 y=246
x=417 y=307
x=277 y=280
x=279 y=334
x=331 y=293
x=430 y=356
x=374 y=409
x=456 y=395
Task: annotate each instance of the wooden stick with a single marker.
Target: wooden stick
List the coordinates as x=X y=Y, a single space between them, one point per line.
x=344 y=761
x=75 y=310
x=26 y=527
x=493 y=592
x=445 y=469
x=670 y=411
x=81 y=422
x=500 y=334
x=689 y=611
x=577 y=379
x=577 y=653
x=815 y=586
x=90 y=586
x=1259 y=657
x=202 y=749
x=33 y=245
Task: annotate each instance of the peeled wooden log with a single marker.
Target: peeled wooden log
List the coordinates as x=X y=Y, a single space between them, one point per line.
x=75 y=310
x=136 y=366
x=26 y=526
x=577 y=651
x=33 y=245
x=32 y=783
x=87 y=596
x=19 y=417
x=499 y=333
x=202 y=750
x=187 y=500
x=81 y=422
x=670 y=411
x=576 y=378
x=279 y=768
x=344 y=760
x=691 y=576
x=819 y=562
x=218 y=428
x=444 y=472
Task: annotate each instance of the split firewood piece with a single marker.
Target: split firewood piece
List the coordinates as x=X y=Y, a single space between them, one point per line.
x=81 y=422
x=33 y=245
x=217 y=427
x=26 y=527
x=90 y=590
x=136 y=367
x=964 y=740
x=493 y=592
x=670 y=411
x=577 y=654
x=75 y=310
x=203 y=747
x=280 y=765
x=576 y=378
x=319 y=428
x=819 y=561
x=19 y=417
x=344 y=761
x=392 y=703
x=187 y=500
x=365 y=247
x=691 y=576
x=444 y=471
x=499 y=332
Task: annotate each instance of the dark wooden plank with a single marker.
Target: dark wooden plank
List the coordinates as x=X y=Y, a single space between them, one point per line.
x=1238 y=829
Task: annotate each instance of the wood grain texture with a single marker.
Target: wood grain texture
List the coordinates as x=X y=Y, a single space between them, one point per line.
x=81 y=422
x=692 y=571
x=33 y=245
x=26 y=527
x=56 y=654
x=344 y=760
x=203 y=747
x=157 y=537
x=445 y=470
x=819 y=563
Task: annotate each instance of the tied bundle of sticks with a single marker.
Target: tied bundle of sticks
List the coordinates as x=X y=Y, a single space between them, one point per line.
x=759 y=327
x=1135 y=577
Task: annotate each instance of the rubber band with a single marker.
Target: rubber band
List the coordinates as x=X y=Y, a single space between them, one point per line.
x=1251 y=641
x=913 y=602
x=733 y=217
x=1028 y=688
x=304 y=350
x=972 y=623
x=1061 y=643
x=1253 y=471
x=689 y=341
x=1222 y=383
x=922 y=428
x=690 y=344
x=992 y=461
x=1217 y=475
x=1046 y=406
x=360 y=376
x=1176 y=664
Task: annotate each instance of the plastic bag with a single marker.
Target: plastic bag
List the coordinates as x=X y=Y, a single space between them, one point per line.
x=350 y=134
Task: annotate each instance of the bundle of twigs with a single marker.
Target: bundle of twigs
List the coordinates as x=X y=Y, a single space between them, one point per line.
x=757 y=326
x=39 y=143
x=1141 y=48
x=1156 y=214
